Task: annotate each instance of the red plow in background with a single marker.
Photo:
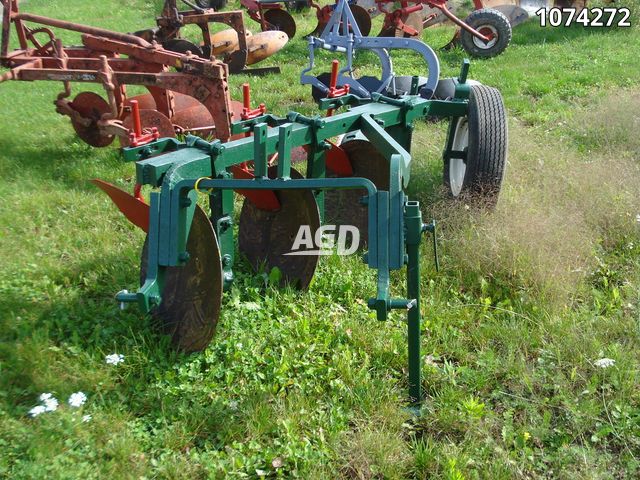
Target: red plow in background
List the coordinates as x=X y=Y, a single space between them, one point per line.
x=187 y=93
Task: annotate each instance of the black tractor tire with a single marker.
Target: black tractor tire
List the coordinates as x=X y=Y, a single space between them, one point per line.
x=483 y=135
x=486 y=20
x=215 y=4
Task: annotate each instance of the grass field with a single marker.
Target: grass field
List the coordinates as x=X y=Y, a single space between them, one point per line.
x=311 y=385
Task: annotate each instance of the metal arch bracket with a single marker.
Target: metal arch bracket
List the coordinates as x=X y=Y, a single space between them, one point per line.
x=343 y=35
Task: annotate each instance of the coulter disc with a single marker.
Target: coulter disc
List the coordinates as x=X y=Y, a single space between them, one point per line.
x=265 y=237
x=281 y=20
x=192 y=293
x=91 y=106
x=343 y=207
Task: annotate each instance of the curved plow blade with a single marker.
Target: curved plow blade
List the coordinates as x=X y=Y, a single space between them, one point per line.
x=279 y=19
x=266 y=238
x=192 y=293
x=225 y=41
x=261 y=199
x=264 y=44
x=360 y=14
x=150 y=118
x=135 y=210
x=343 y=207
x=189 y=115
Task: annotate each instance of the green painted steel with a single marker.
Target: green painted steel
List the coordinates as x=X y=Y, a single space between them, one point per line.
x=395 y=223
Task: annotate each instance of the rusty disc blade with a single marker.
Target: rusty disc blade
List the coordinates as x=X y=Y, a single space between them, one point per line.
x=318 y=30
x=415 y=20
x=264 y=44
x=363 y=19
x=196 y=119
x=266 y=237
x=343 y=207
x=236 y=110
x=280 y=19
x=192 y=294
x=370 y=6
x=145 y=101
x=152 y=118
x=91 y=106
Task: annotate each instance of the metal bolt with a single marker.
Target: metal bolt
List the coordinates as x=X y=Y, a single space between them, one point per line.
x=123 y=305
x=226 y=260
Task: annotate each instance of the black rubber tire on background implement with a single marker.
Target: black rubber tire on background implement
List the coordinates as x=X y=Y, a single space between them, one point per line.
x=479 y=178
x=486 y=20
x=215 y=4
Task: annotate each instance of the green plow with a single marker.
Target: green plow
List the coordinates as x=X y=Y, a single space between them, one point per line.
x=189 y=255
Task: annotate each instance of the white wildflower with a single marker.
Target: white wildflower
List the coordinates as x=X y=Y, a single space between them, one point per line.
x=604 y=362
x=35 y=411
x=114 y=359
x=77 y=399
x=45 y=396
x=86 y=418
x=51 y=404
x=261 y=473
x=233 y=405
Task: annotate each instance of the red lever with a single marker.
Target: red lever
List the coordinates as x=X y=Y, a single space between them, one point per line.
x=247 y=112
x=334 y=91
x=137 y=137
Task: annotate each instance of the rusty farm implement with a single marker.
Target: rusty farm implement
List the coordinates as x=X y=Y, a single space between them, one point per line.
x=485 y=32
x=190 y=253
x=236 y=46
x=271 y=15
x=187 y=93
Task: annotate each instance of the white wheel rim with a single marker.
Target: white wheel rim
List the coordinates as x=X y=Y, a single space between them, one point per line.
x=479 y=43
x=457 y=166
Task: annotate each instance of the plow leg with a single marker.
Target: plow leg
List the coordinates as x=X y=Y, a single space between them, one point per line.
x=413 y=219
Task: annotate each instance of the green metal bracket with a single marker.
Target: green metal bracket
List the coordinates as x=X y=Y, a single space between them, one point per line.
x=431 y=228
x=163 y=145
x=260 y=166
x=284 y=151
x=335 y=103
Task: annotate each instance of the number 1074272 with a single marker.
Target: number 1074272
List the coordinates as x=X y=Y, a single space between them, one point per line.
x=589 y=17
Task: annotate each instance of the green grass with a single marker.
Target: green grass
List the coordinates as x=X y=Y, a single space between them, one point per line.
x=310 y=385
